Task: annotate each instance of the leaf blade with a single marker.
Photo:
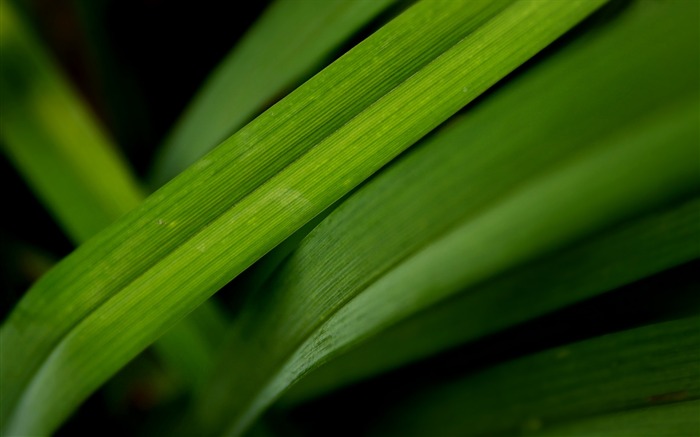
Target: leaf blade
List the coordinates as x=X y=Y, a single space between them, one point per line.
x=678 y=419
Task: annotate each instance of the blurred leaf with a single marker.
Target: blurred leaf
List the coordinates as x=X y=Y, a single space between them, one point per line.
x=75 y=169
x=291 y=38
x=305 y=318
x=53 y=139
x=514 y=180
x=117 y=293
x=671 y=420
x=587 y=386
x=614 y=258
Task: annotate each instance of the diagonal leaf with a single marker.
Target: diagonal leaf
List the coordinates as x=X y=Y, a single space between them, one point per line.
x=676 y=419
x=75 y=168
x=617 y=257
x=118 y=292
x=640 y=368
x=289 y=39
x=460 y=210
x=255 y=73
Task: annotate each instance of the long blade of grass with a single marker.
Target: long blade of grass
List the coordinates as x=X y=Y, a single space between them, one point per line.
x=625 y=254
x=290 y=38
x=75 y=168
x=640 y=368
x=385 y=254
x=122 y=289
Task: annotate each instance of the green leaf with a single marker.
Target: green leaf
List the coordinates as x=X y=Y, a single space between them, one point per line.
x=590 y=381
x=676 y=419
x=516 y=179
x=117 y=293
x=75 y=168
x=290 y=38
x=598 y=264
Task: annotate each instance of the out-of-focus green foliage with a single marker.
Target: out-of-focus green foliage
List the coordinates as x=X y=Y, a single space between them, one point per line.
x=627 y=252
x=75 y=168
x=51 y=136
x=572 y=389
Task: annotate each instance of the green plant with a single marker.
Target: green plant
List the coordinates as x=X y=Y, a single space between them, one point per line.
x=571 y=180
